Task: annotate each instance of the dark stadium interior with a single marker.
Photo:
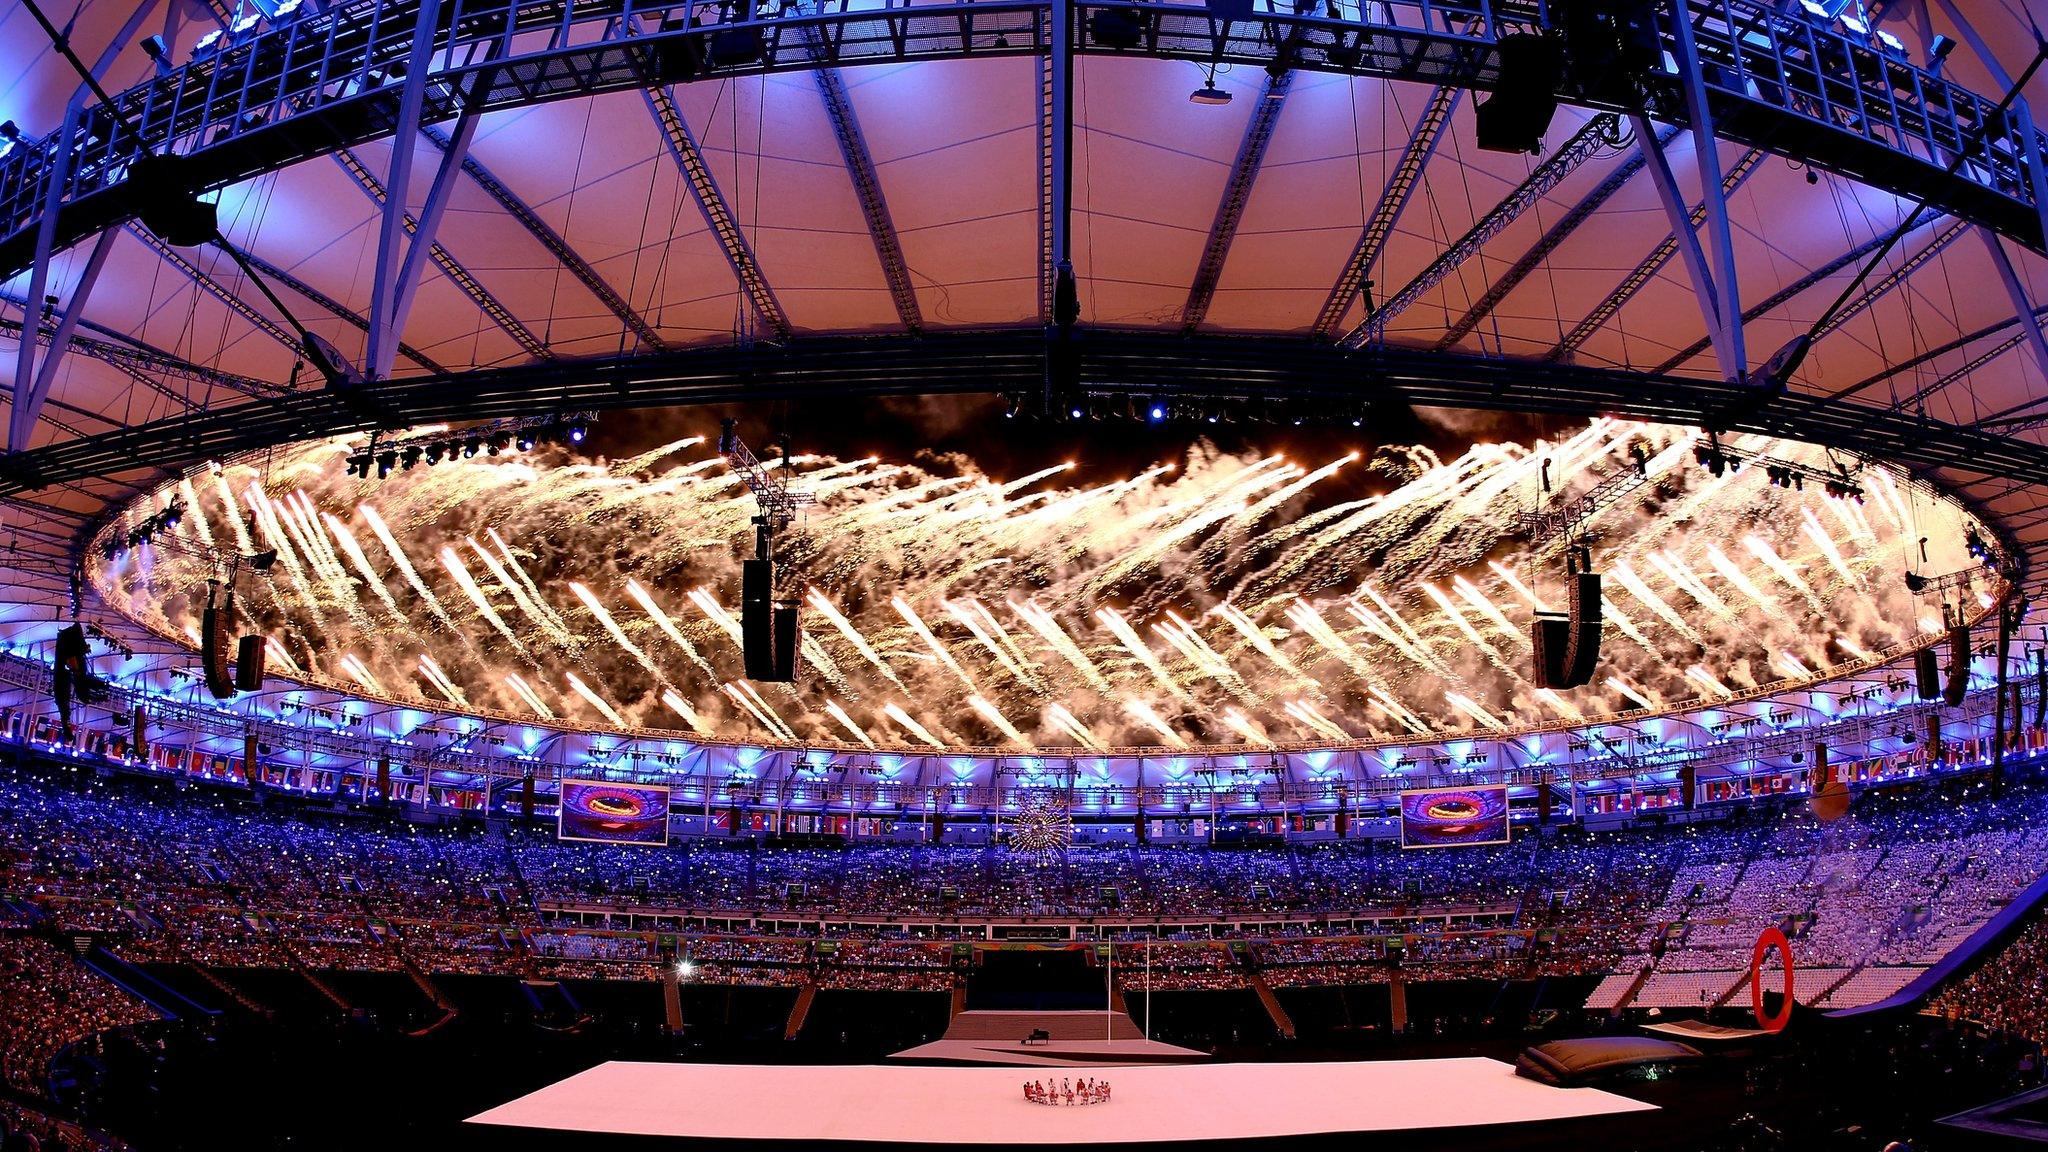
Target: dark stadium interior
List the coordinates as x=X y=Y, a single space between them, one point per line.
x=894 y=574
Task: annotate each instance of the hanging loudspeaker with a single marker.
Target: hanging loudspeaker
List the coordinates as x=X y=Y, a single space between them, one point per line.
x=213 y=648
x=1958 y=666
x=785 y=642
x=249 y=655
x=1550 y=636
x=1515 y=117
x=757 y=624
x=1582 y=654
x=1927 y=674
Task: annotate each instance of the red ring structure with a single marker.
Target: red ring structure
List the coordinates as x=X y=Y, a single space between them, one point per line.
x=1770 y=938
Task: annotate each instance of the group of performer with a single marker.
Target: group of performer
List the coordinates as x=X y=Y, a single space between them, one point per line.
x=1065 y=1092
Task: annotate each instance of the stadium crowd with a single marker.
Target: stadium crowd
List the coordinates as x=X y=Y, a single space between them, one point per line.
x=2009 y=992
x=156 y=873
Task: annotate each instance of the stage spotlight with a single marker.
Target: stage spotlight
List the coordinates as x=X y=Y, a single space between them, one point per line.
x=386 y=461
x=1156 y=411
x=359 y=464
x=153 y=47
x=578 y=429
x=433 y=454
x=526 y=440
x=470 y=446
x=409 y=457
x=498 y=443
x=206 y=42
x=1209 y=94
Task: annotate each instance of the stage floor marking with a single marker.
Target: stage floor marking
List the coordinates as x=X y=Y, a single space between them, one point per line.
x=987 y=1106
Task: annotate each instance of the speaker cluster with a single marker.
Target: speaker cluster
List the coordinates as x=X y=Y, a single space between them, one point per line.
x=227 y=675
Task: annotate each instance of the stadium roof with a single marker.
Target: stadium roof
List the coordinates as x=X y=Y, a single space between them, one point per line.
x=575 y=235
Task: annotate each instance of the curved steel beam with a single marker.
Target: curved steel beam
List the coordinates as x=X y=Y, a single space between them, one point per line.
x=324 y=82
x=1014 y=360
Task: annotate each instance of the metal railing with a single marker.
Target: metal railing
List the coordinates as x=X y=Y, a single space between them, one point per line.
x=1779 y=81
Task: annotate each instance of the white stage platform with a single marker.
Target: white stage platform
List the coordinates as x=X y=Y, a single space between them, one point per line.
x=986 y=1106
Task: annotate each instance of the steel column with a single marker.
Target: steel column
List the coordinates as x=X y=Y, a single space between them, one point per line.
x=1062 y=145
x=2016 y=291
x=446 y=262
x=1771 y=303
x=388 y=295
x=1703 y=277
x=22 y=415
x=60 y=173
x=383 y=354
x=1727 y=315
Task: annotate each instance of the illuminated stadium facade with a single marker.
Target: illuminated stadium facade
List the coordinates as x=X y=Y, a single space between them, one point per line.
x=1328 y=241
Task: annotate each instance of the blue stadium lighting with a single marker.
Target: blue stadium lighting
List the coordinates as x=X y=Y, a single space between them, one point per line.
x=1156 y=413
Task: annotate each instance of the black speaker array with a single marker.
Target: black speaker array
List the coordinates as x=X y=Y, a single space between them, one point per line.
x=1524 y=99
x=688 y=57
x=1115 y=28
x=162 y=191
x=1609 y=46
x=250 y=652
x=1958 y=666
x=213 y=648
x=1926 y=674
x=768 y=630
x=1568 y=646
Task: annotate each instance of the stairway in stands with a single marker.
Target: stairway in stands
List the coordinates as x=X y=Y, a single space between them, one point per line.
x=800 y=1010
x=672 y=999
x=1282 y=1022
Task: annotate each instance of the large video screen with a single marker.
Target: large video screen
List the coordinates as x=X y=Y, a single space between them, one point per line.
x=1454 y=817
x=613 y=813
